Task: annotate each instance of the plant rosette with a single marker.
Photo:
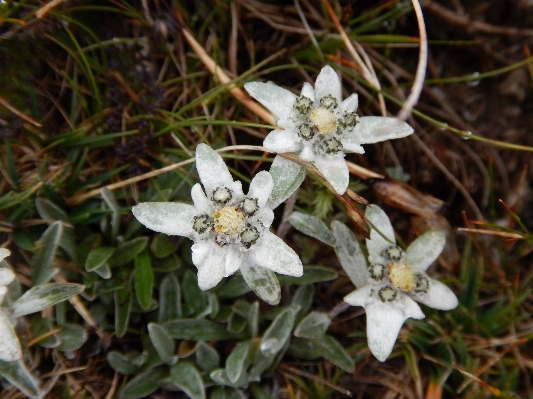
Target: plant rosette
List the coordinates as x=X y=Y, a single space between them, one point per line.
x=230 y=230
x=395 y=280
x=320 y=127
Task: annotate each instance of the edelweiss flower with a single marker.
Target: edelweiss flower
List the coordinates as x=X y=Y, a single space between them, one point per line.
x=394 y=279
x=320 y=127
x=230 y=230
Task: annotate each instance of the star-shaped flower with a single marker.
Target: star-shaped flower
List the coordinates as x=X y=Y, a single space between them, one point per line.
x=230 y=230
x=320 y=127
x=394 y=280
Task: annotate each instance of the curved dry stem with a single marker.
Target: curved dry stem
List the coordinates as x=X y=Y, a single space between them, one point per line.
x=418 y=83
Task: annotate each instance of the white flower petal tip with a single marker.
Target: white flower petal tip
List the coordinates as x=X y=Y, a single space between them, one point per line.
x=351 y=103
x=172 y=218
x=212 y=170
x=335 y=171
x=373 y=129
x=438 y=296
x=272 y=253
x=4 y=253
x=425 y=249
x=282 y=141
x=327 y=82
x=377 y=244
x=6 y=276
x=210 y=260
x=276 y=99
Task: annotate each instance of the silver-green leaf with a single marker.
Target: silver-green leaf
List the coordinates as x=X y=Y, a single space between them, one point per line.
x=9 y=343
x=185 y=376
x=287 y=177
x=314 y=325
x=18 y=374
x=41 y=263
x=350 y=255
x=263 y=282
x=42 y=296
x=236 y=361
x=312 y=226
x=163 y=343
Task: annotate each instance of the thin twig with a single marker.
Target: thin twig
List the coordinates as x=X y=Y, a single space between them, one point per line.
x=367 y=74
x=238 y=93
x=6 y=104
x=418 y=83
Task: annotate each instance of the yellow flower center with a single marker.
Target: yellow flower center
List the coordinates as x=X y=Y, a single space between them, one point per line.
x=401 y=276
x=324 y=120
x=229 y=220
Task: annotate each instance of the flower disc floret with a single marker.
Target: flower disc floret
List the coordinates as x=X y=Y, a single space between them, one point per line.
x=330 y=145
x=222 y=195
x=421 y=284
x=202 y=223
x=229 y=220
x=249 y=206
x=401 y=276
x=394 y=253
x=377 y=271
x=303 y=104
x=249 y=236
x=306 y=131
x=329 y=102
x=324 y=120
x=387 y=294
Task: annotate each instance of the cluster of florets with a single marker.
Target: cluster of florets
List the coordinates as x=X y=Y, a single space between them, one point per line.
x=320 y=124
x=229 y=223
x=396 y=276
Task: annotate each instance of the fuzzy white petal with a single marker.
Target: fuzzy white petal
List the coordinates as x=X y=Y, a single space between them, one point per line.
x=425 y=249
x=201 y=203
x=384 y=321
x=271 y=252
x=350 y=145
x=276 y=99
x=210 y=259
x=172 y=218
x=359 y=297
x=373 y=129
x=6 y=276
x=335 y=170
x=233 y=261
x=212 y=169
x=350 y=103
x=308 y=91
x=282 y=141
x=261 y=188
x=4 y=252
x=307 y=154
x=3 y=292
x=439 y=296
x=376 y=244
x=327 y=82
x=265 y=216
